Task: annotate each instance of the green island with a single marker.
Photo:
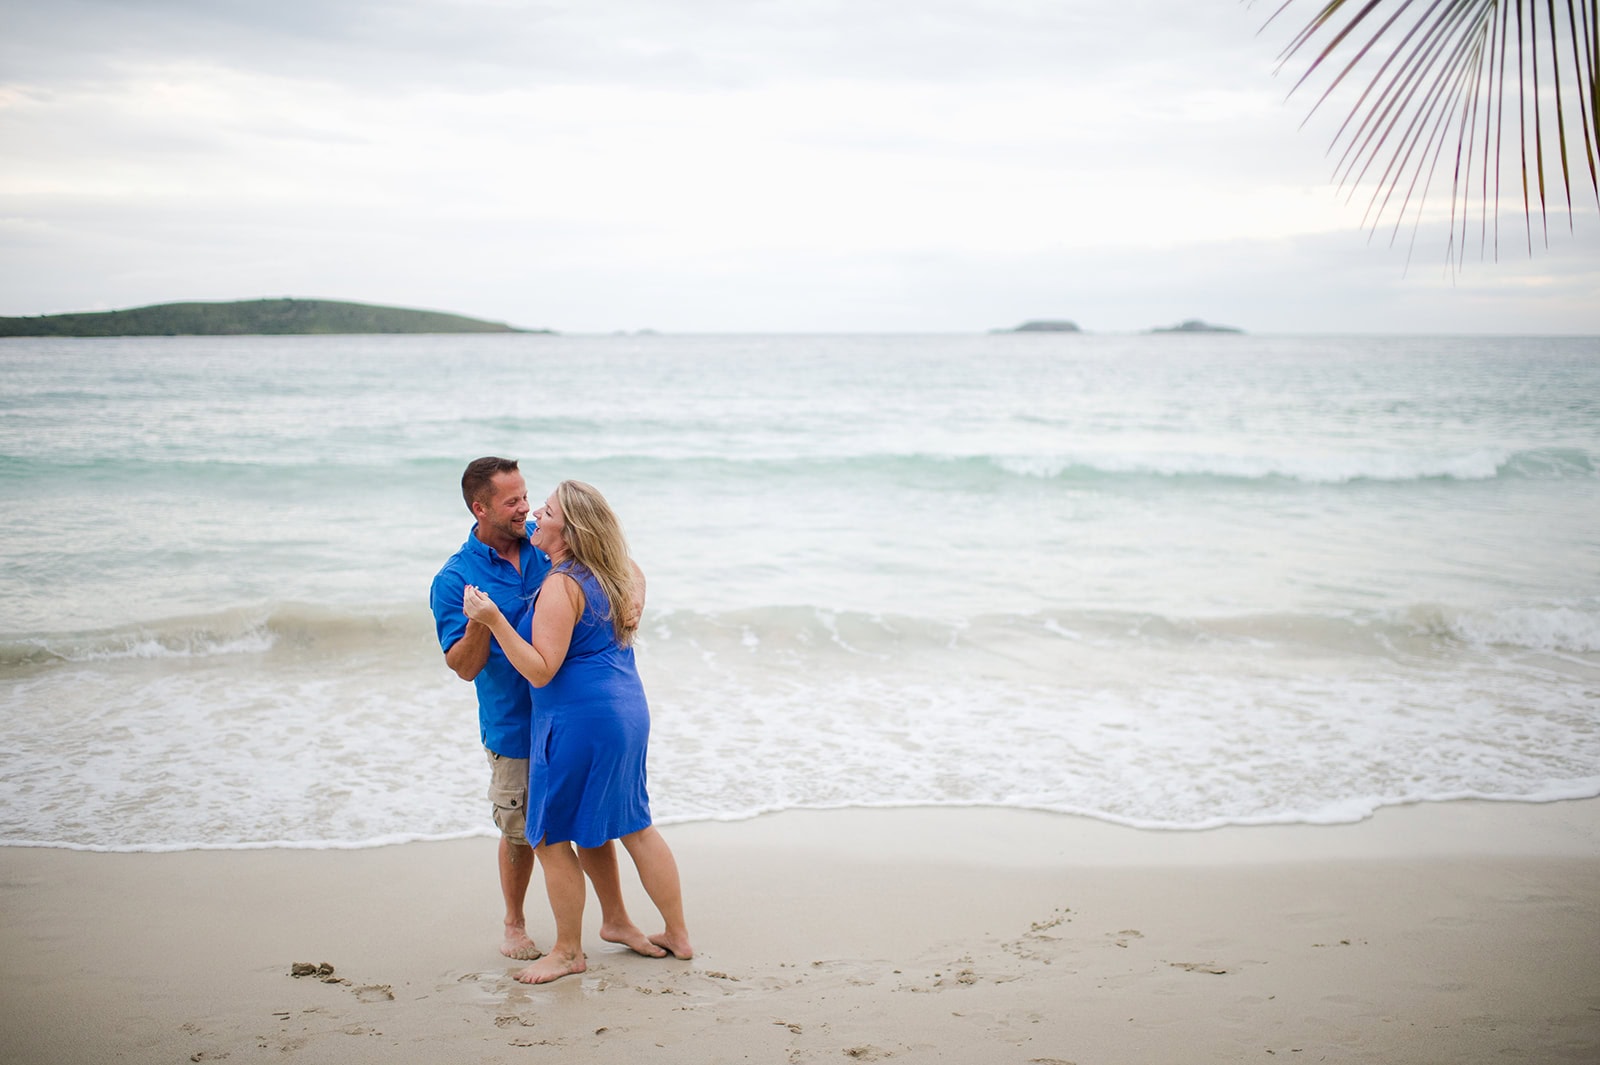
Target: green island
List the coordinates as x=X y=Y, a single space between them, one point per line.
x=250 y=318
x=1195 y=325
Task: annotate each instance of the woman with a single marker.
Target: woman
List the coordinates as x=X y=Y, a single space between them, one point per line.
x=591 y=723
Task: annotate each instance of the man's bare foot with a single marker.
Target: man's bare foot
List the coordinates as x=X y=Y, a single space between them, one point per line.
x=518 y=946
x=631 y=936
x=552 y=967
x=677 y=946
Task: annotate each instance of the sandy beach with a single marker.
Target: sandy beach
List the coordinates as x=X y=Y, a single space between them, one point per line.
x=1450 y=933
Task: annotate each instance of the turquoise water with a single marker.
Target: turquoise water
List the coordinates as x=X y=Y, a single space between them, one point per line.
x=1170 y=581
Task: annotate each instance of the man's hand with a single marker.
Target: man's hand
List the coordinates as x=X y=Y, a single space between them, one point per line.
x=635 y=608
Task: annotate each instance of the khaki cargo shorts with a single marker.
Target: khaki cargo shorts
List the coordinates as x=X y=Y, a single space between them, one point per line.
x=508 y=791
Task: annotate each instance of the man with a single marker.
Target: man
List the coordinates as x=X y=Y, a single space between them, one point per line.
x=498 y=559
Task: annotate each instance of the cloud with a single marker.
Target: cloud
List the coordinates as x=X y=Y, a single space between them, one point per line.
x=674 y=164
x=708 y=44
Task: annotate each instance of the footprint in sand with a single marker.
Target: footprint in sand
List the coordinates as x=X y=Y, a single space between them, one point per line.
x=1057 y=919
x=323 y=972
x=1036 y=943
x=853 y=973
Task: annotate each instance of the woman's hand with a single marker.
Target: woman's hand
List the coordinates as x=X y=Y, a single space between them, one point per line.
x=478 y=607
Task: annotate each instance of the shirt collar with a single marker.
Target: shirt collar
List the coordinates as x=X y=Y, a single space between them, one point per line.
x=475 y=544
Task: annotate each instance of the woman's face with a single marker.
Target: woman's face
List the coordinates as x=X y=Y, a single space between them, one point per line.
x=549 y=536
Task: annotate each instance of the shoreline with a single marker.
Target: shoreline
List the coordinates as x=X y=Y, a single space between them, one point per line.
x=1108 y=830
x=1442 y=932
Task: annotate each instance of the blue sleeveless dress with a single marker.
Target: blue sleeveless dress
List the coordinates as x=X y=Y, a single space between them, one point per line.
x=591 y=731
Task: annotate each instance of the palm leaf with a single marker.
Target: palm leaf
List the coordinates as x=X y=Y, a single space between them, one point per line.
x=1444 y=75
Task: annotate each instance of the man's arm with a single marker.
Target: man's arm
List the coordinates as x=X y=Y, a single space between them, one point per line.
x=465 y=641
x=468 y=655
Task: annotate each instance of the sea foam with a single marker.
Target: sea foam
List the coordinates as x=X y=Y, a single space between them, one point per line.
x=1236 y=580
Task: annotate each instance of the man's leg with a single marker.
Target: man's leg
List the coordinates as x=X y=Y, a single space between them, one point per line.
x=508 y=791
x=516 y=872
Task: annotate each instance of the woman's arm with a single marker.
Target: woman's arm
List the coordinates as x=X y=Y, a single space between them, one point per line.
x=555 y=614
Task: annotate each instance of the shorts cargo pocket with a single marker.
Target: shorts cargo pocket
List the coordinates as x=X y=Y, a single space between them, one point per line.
x=506 y=798
x=508 y=792
x=509 y=816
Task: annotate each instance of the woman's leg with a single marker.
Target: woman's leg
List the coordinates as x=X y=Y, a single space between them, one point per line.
x=658 y=872
x=563 y=882
x=600 y=863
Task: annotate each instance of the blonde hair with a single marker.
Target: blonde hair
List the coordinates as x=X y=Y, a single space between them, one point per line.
x=594 y=540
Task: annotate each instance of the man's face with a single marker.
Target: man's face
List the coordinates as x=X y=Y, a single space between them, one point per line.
x=505 y=513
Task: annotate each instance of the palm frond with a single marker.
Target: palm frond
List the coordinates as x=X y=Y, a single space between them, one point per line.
x=1444 y=75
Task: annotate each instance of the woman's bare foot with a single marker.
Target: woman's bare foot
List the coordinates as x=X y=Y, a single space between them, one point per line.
x=676 y=945
x=517 y=945
x=552 y=967
x=631 y=936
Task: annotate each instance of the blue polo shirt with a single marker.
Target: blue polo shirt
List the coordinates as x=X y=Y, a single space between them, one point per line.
x=505 y=710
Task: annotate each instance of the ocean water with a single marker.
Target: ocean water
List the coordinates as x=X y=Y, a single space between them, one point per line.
x=1168 y=581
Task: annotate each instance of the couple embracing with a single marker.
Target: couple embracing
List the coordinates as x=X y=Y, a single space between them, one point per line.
x=540 y=615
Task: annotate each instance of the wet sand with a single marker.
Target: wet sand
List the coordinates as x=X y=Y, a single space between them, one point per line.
x=1445 y=933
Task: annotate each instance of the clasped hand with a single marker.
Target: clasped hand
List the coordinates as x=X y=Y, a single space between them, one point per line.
x=477 y=606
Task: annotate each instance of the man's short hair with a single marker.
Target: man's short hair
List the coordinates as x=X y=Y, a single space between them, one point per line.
x=477 y=484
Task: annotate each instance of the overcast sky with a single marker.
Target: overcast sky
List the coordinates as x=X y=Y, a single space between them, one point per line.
x=716 y=165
